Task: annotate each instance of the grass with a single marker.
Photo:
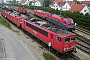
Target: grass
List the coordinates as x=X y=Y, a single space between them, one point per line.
x=41 y=47
x=15 y=31
x=48 y=57
x=35 y=17
x=3 y=22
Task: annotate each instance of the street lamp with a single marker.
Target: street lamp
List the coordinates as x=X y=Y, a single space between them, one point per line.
x=44 y=4
x=49 y=45
x=2 y=2
x=34 y=4
x=60 y=8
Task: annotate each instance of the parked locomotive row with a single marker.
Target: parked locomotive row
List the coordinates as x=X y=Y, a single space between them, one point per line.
x=75 y=58
x=60 y=40
x=79 y=45
x=84 y=48
x=59 y=55
x=62 y=21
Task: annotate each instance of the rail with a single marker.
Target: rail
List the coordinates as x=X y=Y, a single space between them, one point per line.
x=83 y=48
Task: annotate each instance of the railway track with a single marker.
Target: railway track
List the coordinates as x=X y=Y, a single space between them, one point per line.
x=83 y=48
x=83 y=39
x=83 y=30
x=83 y=43
x=74 y=57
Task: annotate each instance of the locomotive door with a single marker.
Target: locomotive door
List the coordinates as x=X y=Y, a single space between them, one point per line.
x=24 y=24
x=52 y=38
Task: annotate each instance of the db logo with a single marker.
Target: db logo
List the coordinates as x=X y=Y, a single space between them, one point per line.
x=35 y=33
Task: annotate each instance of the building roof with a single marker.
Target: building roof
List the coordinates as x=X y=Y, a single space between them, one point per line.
x=85 y=2
x=58 y=0
x=77 y=7
x=71 y=3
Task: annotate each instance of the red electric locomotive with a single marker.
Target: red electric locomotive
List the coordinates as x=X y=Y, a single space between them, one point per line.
x=62 y=21
x=22 y=10
x=62 y=41
x=3 y=11
x=13 y=16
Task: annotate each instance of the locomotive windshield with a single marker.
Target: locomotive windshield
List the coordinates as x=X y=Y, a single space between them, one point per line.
x=69 y=39
x=70 y=22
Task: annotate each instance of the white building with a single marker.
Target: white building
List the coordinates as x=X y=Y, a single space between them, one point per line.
x=66 y=6
x=36 y=3
x=82 y=8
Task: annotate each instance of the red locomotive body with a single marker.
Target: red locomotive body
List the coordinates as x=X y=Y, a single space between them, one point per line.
x=62 y=21
x=3 y=12
x=41 y=13
x=61 y=41
x=22 y=10
x=19 y=9
x=16 y=19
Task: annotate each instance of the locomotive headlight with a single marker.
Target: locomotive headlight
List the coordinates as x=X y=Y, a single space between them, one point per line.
x=73 y=46
x=20 y=22
x=65 y=49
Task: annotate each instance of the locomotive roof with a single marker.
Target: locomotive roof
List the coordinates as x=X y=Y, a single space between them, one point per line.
x=42 y=11
x=62 y=16
x=50 y=27
x=57 y=16
x=16 y=14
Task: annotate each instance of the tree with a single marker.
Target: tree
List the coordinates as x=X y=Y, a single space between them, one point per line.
x=14 y=1
x=47 y=3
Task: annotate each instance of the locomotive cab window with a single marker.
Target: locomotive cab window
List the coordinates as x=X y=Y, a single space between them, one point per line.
x=70 y=22
x=59 y=39
x=72 y=38
x=67 y=40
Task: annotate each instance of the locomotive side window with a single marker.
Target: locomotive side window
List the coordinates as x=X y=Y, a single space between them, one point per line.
x=51 y=36
x=70 y=22
x=37 y=29
x=59 y=39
